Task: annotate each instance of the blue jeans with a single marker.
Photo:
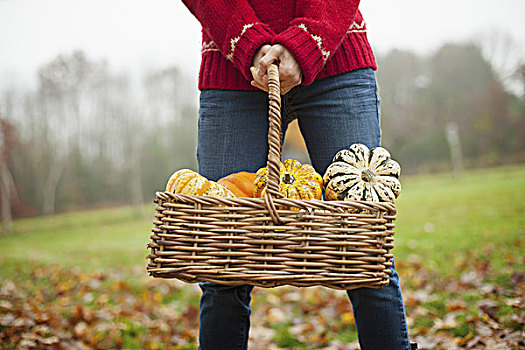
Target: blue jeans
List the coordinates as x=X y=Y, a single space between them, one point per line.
x=332 y=114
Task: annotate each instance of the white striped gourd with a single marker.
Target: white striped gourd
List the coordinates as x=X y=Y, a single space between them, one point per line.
x=358 y=173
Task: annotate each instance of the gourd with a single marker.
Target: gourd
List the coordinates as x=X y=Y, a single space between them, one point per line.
x=186 y=181
x=358 y=173
x=240 y=184
x=297 y=181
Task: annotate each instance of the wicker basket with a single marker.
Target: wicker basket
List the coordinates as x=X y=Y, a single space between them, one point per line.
x=268 y=242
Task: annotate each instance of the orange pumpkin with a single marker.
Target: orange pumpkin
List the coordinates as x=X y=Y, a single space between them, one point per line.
x=241 y=183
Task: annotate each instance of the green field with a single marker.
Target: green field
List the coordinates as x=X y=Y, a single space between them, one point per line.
x=459 y=251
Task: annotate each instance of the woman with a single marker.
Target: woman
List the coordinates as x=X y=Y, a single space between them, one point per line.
x=328 y=83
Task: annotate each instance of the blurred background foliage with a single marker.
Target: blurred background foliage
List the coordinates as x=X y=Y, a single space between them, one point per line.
x=88 y=136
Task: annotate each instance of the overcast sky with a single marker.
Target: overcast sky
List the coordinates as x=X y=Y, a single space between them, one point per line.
x=136 y=34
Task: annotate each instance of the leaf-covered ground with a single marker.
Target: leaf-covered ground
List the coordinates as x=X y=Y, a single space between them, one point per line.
x=78 y=280
x=55 y=308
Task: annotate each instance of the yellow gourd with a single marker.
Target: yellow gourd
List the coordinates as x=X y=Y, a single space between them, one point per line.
x=187 y=181
x=297 y=181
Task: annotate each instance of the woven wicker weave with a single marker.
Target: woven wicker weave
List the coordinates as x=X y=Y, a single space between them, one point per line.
x=266 y=241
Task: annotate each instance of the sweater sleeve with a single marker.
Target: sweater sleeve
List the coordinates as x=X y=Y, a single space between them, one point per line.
x=316 y=32
x=234 y=28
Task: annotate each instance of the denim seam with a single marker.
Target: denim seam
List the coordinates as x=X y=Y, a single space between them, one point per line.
x=244 y=316
x=404 y=325
x=224 y=159
x=401 y=309
x=378 y=110
x=242 y=336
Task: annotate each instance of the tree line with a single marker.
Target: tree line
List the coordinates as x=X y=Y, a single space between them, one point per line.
x=456 y=90
x=87 y=136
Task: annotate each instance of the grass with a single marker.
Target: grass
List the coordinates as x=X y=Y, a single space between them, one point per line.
x=445 y=220
x=448 y=221
x=98 y=239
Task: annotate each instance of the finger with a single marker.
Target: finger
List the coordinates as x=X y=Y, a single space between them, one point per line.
x=264 y=79
x=257 y=57
x=271 y=56
x=259 y=86
x=287 y=85
x=253 y=70
x=261 y=52
x=260 y=80
x=285 y=89
x=265 y=49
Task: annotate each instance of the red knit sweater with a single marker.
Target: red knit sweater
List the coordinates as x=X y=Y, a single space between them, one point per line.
x=326 y=37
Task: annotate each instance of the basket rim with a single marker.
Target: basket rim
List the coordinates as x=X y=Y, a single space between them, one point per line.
x=259 y=203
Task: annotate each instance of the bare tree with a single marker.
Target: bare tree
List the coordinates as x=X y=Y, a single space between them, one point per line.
x=504 y=54
x=7 y=186
x=66 y=84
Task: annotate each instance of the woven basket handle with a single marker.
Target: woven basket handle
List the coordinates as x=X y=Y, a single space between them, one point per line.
x=274 y=142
